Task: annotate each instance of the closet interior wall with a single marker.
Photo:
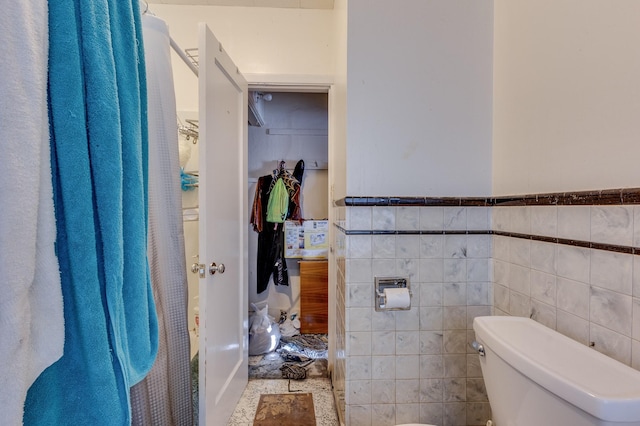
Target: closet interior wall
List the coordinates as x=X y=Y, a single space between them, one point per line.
x=295 y=129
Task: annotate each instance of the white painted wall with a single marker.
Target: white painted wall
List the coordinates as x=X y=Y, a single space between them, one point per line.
x=289 y=111
x=419 y=97
x=263 y=43
x=566 y=95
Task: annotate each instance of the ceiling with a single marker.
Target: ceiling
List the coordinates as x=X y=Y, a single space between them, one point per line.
x=294 y=4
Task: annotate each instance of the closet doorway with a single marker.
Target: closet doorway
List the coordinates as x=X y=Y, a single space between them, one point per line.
x=289 y=126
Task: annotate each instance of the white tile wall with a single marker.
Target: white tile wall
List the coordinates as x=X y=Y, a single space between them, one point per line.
x=416 y=366
x=411 y=366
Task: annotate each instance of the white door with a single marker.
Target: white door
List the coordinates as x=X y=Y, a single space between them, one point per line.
x=223 y=231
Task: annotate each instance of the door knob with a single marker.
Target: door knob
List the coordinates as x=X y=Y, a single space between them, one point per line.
x=213 y=268
x=198 y=268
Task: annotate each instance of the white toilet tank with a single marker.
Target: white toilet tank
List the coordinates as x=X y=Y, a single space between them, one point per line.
x=536 y=376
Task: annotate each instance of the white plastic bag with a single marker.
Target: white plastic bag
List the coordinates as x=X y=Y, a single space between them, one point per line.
x=264 y=333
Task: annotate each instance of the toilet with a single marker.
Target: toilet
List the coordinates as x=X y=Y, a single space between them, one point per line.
x=536 y=376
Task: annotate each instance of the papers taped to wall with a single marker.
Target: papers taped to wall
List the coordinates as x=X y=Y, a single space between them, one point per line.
x=306 y=240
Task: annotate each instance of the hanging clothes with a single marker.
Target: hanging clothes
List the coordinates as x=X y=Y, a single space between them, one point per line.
x=270 y=256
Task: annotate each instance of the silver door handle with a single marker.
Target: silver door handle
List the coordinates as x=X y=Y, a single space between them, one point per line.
x=213 y=268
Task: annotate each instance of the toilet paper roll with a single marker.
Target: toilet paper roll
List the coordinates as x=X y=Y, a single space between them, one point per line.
x=397 y=298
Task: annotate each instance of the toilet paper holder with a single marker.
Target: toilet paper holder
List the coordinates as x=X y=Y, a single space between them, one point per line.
x=381 y=283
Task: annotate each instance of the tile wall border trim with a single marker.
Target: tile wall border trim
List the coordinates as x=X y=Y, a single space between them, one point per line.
x=564 y=241
x=581 y=198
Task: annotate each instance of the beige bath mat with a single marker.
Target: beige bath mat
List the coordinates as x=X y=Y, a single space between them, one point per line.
x=285 y=409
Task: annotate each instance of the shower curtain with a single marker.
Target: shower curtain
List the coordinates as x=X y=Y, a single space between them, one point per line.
x=97 y=112
x=164 y=396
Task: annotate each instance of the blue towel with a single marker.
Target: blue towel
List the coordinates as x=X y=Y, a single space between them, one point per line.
x=97 y=98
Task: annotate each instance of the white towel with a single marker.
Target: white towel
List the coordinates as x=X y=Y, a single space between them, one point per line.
x=31 y=315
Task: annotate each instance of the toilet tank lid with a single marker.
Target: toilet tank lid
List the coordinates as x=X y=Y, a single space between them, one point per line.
x=596 y=383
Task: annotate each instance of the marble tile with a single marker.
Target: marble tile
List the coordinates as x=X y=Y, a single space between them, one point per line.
x=520 y=220
x=383 y=268
x=432 y=413
x=501 y=271
x=574 y=222
x=431 y=318
x=431 y=270
x=431 y=342
x=610 y=343
x=476 y=311
x=636 y=226
x=430 y=293
x=407 y=366
x=359 y=218
x=358 y=415
x=520 y=279
x=383 y=218
x=358 y=343
x=407 y=413
x=478 y=413
x=358 y=392
x=500 y=218
x=455 y=317
x=454 y=293
x=383 y=414
x=455 y=365
x=408 y=391
x=501 y=297
x=478 y=293
x=573 y=297
x=520 y=252
x=612 y=224
x=359 y=319
x=383 y=367
x=323 y=399
x=500 y=247
x=359 y=368
x=455 y=341
x=543 y=287
x=574 y=263
x=455 y=246
x=543 y=313
x=359 y=270
x=408 y=246
x=544 y=220
x=611 y=310
x=635 y=354
x=431 y=246
x=478 y=269
x=544 y=257
x=519 y=304
x=383 y=343
x=478 y=246
x=635 y=328
x=454 y=389
x=408 y=219
x=431 y=390
x=431 y=218
x=473 y=366
x=476 y=391
x=431 y=367
x=636 y=276
x=455 y=218
x=359 y=246
x=572 y=326
x=408 y=320
x=478 y=218
x=383 y=392
x=613 y=271
x=408 y=268
x=381 y=321
x=455 y=270
x=407 y=342
x=455 y=414
x=359 y=295
x=383 y=246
